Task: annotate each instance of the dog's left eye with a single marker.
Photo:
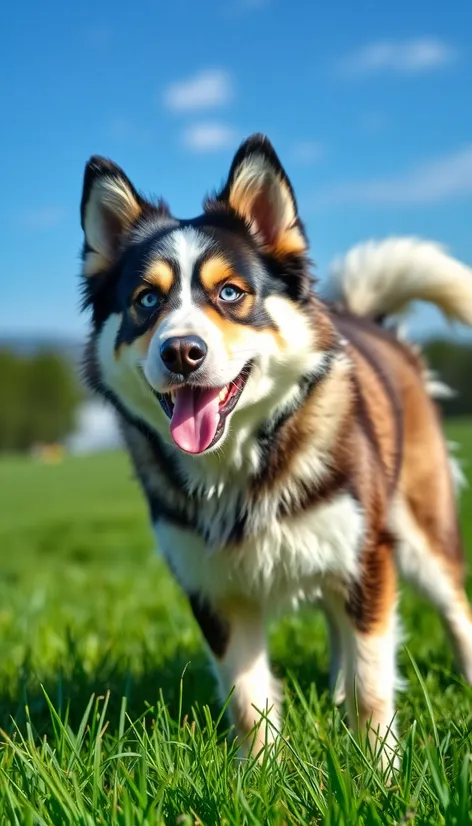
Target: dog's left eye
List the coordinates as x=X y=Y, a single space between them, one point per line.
x=230 y=293
x=148 y=300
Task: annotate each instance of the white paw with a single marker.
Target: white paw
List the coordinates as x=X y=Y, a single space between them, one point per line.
x=338 y=689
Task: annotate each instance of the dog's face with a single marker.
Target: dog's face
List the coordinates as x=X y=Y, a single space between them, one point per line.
x=198 y=322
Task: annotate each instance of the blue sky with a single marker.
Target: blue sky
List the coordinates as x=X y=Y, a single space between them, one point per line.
x=368 y=105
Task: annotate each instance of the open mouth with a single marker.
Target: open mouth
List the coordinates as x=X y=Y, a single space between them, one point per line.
x=198 y=414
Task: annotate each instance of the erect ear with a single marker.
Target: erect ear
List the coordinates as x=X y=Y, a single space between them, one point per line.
x=110 y=206
x=259 y=190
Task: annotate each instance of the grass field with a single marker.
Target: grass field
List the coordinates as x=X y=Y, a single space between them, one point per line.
x=107 y=705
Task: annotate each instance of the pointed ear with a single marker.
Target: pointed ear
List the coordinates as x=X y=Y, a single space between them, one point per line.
x=110 y=206
x=259 y=190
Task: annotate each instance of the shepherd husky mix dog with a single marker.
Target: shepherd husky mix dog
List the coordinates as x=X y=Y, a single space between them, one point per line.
x=288 y=448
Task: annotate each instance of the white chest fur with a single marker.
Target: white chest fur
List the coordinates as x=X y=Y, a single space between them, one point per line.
x=284 y=561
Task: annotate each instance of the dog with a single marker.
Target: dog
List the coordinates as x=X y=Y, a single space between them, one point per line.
x=289 y=448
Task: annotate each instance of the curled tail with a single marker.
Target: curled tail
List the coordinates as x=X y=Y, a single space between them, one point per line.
x=379 y=279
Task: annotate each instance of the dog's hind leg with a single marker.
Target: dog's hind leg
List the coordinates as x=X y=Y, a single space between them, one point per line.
x=425 y=562
x=368 y=623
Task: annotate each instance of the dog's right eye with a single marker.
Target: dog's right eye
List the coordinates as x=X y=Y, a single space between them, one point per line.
x=148 y=300
x=230 y=293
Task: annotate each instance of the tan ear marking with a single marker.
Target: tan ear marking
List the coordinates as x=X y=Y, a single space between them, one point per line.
x=94 y=263
x=261 y=196
x=111 y=209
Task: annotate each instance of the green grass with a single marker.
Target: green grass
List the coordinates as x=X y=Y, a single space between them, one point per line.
x=107 y=704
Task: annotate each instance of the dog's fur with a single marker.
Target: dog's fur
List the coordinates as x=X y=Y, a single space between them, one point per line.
x=331 y=470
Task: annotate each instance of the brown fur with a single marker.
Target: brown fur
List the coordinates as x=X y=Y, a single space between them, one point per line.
x=216 y=271
x=160 y=274
x=409 y=442
x=381 y=433
x=233 y=334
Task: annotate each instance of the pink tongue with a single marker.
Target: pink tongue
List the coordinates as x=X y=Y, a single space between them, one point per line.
x=195 y=418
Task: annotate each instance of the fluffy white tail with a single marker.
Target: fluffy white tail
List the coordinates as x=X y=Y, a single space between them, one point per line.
x=381 y=278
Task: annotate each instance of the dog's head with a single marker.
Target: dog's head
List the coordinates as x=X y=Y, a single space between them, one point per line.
x=199 y=322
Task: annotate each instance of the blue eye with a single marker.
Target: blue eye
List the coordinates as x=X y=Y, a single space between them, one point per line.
x=230 y=293
x=148 y=300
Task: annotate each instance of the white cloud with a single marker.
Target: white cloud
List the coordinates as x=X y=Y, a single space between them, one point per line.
x=307 y=152
x=420 y=54
x=208 y=89
x=438 y=180
x=209 y=137
x=44 y=217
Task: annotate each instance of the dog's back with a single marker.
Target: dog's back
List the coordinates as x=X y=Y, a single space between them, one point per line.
x=397 y=394
x=396 y=401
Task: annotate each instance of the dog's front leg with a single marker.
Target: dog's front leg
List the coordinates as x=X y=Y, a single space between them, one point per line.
x=367 y=622
x=235 y=634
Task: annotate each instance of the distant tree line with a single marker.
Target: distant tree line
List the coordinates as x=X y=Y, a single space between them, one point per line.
x=39 y=397
x=40 y=392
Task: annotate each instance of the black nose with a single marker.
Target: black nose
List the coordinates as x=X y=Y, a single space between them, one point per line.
x=183 y=355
